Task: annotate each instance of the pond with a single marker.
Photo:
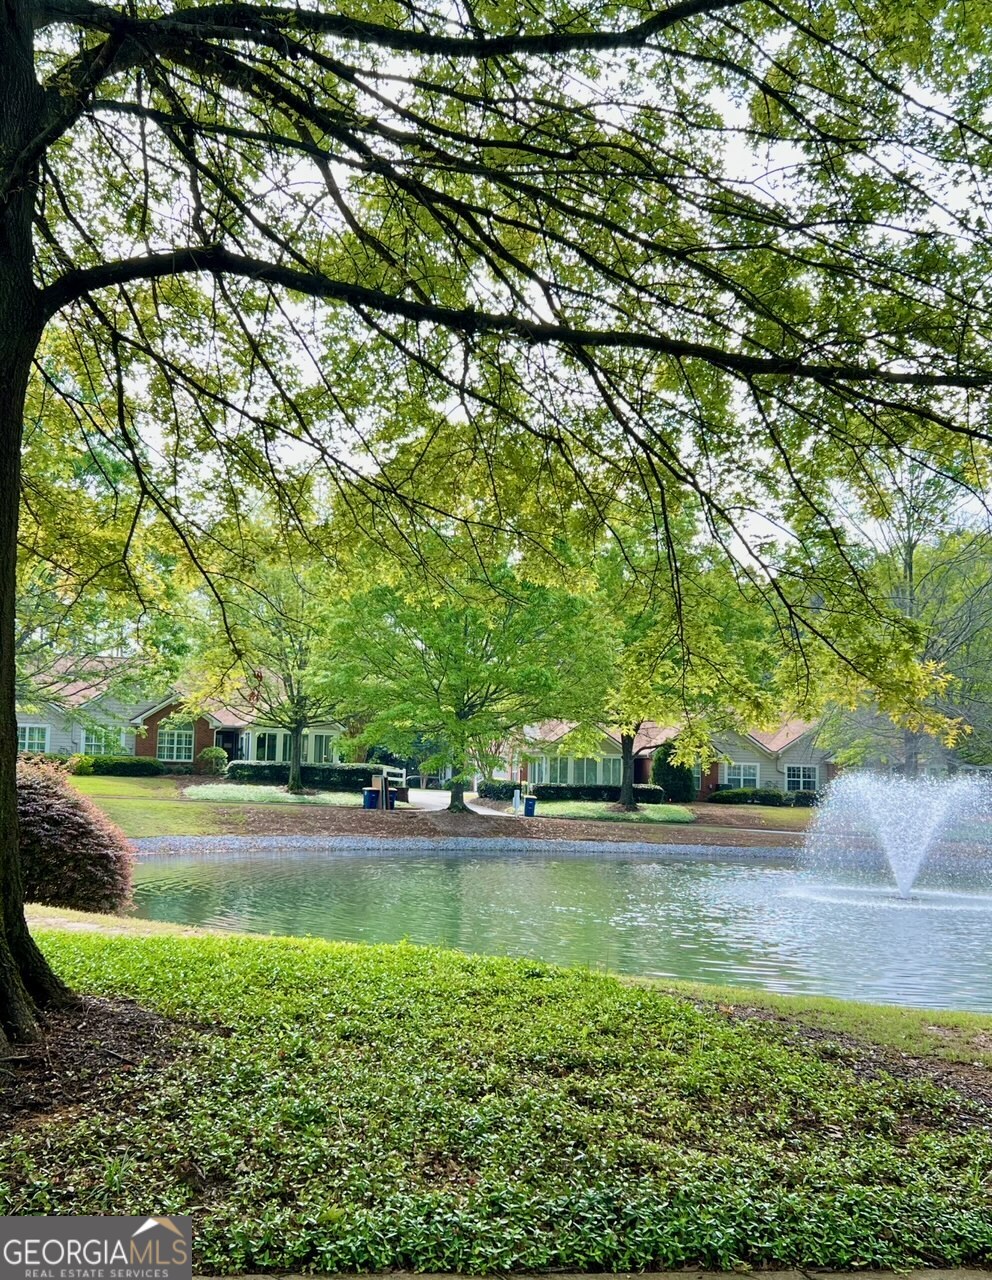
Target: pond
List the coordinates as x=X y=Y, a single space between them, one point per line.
x=750 y=920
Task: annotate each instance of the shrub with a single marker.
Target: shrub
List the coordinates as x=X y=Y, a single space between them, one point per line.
x=805 y=799
x=499 y=790
x=127 y=766
x=71 y=854
x=80 y=765
x=212 y=761
x=751 y=795
x=320 y=777
x=675 y=780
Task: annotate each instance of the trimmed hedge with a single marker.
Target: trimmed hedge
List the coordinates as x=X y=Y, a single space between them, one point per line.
x=71 y=854
x=320 y=777
x=499 y=790
x=752 y=795
x=805 y=799
x=495 y=789
x=125 y=766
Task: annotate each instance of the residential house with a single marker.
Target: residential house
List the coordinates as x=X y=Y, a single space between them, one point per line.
x=77 y=712
x=163 y=733
x=541 y=759
x=82 y=714
x=787 y=758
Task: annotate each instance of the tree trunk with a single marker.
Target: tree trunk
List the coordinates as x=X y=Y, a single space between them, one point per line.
x=295 y=783
x=627 y=800
x=457 y=803
x=26 y=981
x=910 y=754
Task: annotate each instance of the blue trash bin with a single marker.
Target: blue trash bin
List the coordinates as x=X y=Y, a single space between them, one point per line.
x=530 y=806
x=371 y=798
x=392 y=798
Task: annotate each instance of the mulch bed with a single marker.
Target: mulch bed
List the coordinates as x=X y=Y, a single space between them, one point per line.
x=284 y=820
x=85 y=1048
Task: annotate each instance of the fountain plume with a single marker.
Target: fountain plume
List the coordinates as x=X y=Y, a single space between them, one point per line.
x=869 y=821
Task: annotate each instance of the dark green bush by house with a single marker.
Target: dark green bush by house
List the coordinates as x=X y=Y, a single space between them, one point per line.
x=320 y=777
x=675 y=780
x=805 y=799
x=498 y=790
x=127 y=766
x=751 y=795
x=212 y=761
x=71 y=854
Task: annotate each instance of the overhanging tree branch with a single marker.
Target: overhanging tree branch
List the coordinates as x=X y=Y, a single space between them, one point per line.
x=216 y=260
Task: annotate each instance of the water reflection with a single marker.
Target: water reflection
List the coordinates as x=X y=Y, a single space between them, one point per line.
x=753 y=923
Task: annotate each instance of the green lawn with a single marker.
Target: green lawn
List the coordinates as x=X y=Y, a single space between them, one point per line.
x=600 y=811
x=98 y=786
x=150 y=806
x=368 y=1108
x=771 y=816
x=245 y=793
x=162 y=817
x=179 y=807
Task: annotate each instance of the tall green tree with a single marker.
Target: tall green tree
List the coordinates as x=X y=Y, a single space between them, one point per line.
x=676 y=244
x=924 y=538
x=267 y=637
x=468 y=668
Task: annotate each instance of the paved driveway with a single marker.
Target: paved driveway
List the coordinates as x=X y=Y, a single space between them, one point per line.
x=421 y=798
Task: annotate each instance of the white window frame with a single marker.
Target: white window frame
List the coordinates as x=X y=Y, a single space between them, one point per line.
x=257 y=744
x=581 y=764
x=105 y=737
x=323 y=748
x=800 y=782
x=536 y=770
x=739 y=766
x=612 y=765
x=26 y=730
x=558 y=770
x=167 y=745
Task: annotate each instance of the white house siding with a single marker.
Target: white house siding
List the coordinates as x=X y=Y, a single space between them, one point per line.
x=772 y=768
x=745 y=754
x=65 y=732
x=803 y=752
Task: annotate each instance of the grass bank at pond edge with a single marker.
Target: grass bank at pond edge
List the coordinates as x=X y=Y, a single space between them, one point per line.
x=334 y=1107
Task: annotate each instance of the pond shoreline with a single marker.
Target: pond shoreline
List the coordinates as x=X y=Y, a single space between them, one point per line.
x=480 y=846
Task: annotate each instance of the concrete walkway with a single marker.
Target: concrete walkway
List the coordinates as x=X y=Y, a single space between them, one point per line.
x=421 y=798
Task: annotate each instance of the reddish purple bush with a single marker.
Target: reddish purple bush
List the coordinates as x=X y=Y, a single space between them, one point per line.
x=72 y=855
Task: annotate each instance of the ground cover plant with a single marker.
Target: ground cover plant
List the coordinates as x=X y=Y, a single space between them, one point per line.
x=333 y=1107
x=247 y=793
x=603 y=811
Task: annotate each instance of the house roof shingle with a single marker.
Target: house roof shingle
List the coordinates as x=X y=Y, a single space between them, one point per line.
x=650 y=736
